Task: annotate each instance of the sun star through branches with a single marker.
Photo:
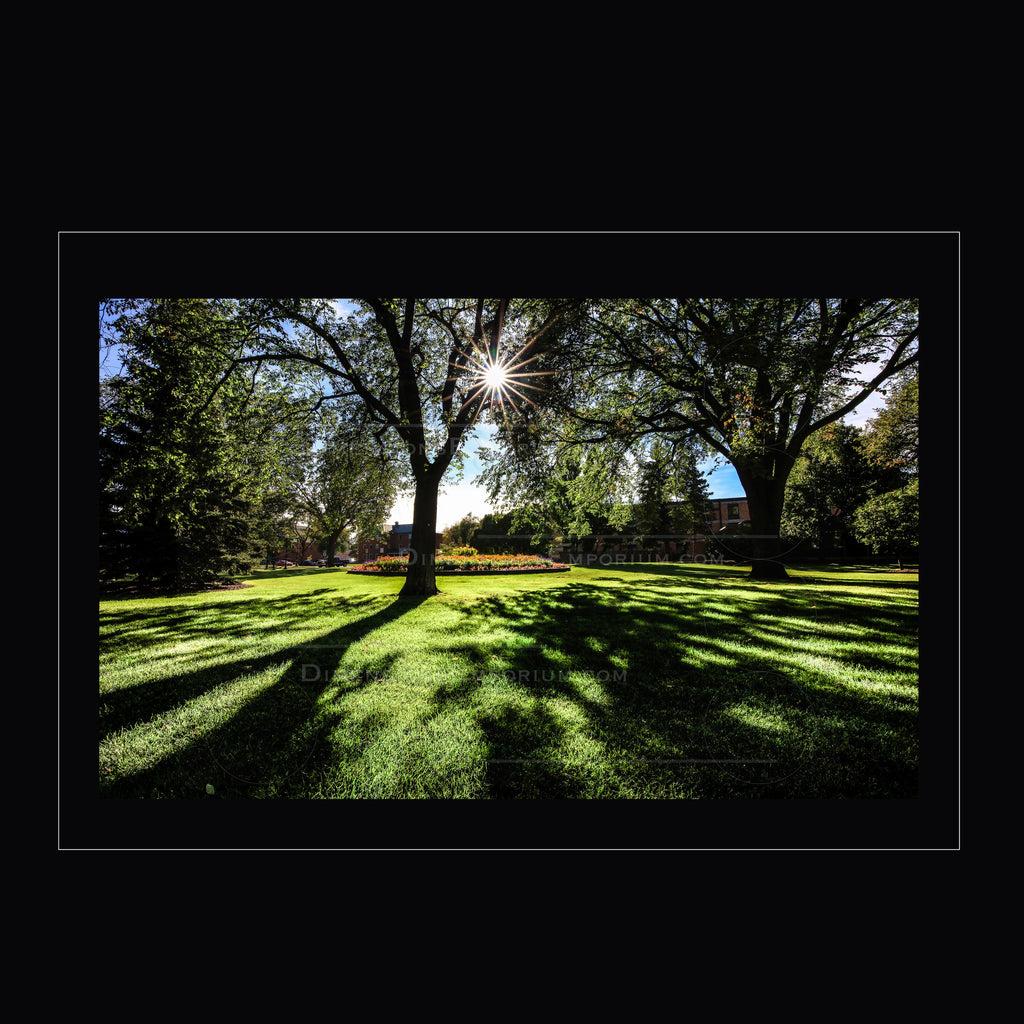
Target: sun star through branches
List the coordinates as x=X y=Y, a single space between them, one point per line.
x=499 y=379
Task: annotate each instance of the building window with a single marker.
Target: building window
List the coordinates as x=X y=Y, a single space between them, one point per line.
x=734 y=511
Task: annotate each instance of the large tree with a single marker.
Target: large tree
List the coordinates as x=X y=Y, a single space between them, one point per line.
x=891 y=437
x=177 y=467
x=828 y=483
x=752 y=379
x=348 y=486
x=423 y=370
x=889 y=522
x=888 y=519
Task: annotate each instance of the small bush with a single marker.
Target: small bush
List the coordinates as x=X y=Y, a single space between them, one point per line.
x=464 y=552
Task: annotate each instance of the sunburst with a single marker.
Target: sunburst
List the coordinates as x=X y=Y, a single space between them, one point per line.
x=501 y=380
x=495 y=376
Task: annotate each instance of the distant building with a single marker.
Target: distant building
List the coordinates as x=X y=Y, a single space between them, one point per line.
x=396 y=541
x=726 y=515
x=729 y=512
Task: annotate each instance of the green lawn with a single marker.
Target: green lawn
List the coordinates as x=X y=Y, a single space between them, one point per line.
x=633 y=682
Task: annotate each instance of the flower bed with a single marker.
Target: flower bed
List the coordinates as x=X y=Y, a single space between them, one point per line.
x=396 y=565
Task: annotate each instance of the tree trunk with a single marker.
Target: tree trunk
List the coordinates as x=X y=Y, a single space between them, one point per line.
x=331 y=547
x=420 y=581
x=764 y=497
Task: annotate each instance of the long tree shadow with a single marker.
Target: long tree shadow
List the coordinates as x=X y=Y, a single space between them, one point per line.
x=682 y=702
x=254 y=748
x=227 y=618
x=682 y=695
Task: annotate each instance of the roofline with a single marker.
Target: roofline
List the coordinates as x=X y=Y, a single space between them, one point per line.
x=742 y=497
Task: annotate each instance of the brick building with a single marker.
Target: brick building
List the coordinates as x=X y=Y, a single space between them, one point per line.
x=734 y=512
x=396 y=541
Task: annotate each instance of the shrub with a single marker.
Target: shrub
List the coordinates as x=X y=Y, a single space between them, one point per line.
x=463 y=552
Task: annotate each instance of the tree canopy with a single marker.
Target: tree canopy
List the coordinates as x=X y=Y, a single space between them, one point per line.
x=348 y=486
x=184 y=454
x=829 y=482
x=749 y=379
x=421 y=371
x=602 y=407
x=891 y=437
x=888 y=521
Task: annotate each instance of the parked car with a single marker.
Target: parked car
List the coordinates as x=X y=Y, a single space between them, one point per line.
x=284 y=562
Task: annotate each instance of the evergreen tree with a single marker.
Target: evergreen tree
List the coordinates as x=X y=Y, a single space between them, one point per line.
x=176 y=508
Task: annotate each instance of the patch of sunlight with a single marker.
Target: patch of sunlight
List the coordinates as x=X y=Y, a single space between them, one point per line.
x=759 y=718
x=747 y=651
x=579 y=748
x=891 y=651
x=590 y=688
x=707 y=656
x=765 y=634
x=718 y=610
x=197 y=646
x=847 y=674
x=568 y=711
x=791 y=620
x=147 y=743
x=429 y=746
x=157 y=669
x=401 y=695
x=883 y=686
x=817 y=664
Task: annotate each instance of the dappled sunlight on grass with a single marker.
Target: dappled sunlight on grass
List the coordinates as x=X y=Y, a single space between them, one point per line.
x=759 y=718
x=609 y=682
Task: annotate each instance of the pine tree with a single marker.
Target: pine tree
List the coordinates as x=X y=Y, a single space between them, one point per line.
x=174 y=505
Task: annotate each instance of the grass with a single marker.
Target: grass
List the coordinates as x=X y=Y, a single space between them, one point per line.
x=634 y=682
